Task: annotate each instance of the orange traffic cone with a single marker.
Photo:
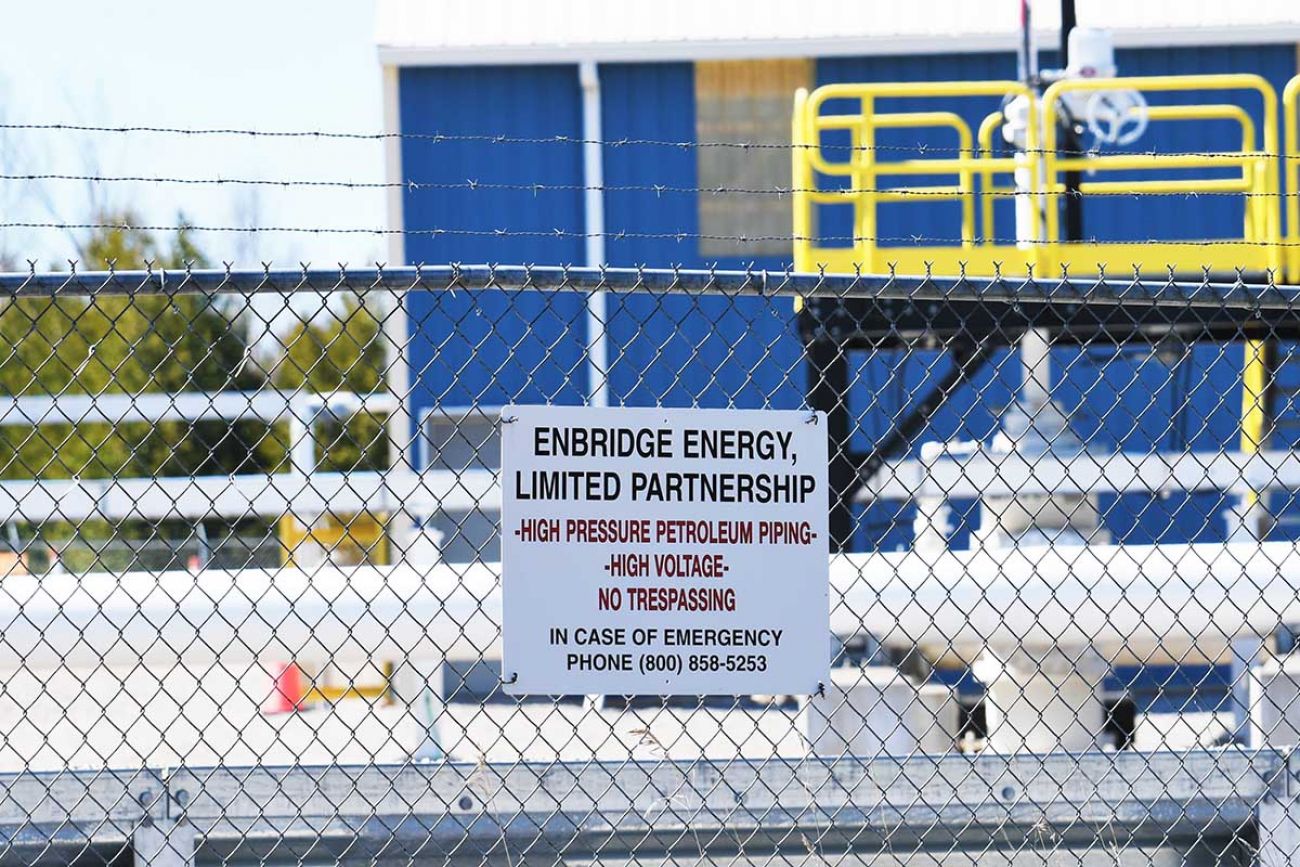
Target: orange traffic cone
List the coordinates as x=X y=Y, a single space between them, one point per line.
x=287 y=691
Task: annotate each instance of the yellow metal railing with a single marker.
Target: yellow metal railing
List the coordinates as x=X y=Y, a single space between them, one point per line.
x=1291 y=158
x=361 y=538
x=875 y=180
x=872 y=178
x=1261 y=228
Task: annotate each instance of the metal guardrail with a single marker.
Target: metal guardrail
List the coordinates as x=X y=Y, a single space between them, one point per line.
x=746 y=812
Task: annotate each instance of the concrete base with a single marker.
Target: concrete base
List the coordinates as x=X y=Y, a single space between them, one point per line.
x=1181 y=731
x=876 y=710
x=1279 y=831
x=163 y=844
x=1042 y=702
x=1275 y=703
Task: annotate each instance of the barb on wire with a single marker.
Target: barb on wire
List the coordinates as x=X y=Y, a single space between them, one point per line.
x=777 y=191
x=435 y=231
x=560 y=139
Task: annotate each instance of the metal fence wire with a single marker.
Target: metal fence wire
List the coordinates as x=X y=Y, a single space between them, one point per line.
x=250 y=598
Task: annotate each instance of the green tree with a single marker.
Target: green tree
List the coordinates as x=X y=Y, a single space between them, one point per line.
x=342 y=350
x=122 y=344
x=115 y=344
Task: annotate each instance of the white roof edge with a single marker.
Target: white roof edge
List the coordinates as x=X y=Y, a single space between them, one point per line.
x=855 y=46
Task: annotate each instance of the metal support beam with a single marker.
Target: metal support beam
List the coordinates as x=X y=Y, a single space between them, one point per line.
x=967 y=360
x=828 y=391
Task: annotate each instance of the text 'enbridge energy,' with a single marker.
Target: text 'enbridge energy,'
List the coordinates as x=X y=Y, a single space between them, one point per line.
x=661 y=551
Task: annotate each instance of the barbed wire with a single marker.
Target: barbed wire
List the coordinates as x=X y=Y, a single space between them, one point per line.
x=504 y=139
x=621 y=234
x=658 y=189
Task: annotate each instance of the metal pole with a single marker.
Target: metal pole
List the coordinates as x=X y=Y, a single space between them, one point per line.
x=1036 y=381
x=1072 y=218
x=1027 y=65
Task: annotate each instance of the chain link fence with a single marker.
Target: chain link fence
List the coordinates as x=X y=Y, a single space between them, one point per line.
x=250 y=584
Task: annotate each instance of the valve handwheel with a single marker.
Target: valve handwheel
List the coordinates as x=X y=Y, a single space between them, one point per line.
x=1117 y=117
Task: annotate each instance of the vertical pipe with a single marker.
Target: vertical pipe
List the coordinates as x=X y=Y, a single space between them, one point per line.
x=1031 y=180
x=1026 y=67
x=1036 y=371
x=1035 y=345
x=593 y=180
x=395 y=326
x=1254 y=429
x=1247 y=652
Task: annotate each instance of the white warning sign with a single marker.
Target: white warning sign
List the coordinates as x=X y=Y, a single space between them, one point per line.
x=663 y=551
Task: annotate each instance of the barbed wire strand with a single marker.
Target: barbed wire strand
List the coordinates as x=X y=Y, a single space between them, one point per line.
x=658 y=189
x=494 y=138
x=618 y=234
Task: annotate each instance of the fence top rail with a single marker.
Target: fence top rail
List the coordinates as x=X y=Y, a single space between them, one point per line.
x=1242 y=292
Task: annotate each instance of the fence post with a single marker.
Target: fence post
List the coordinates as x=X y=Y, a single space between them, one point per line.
x=165 y=843
x=420 y=685
x=1275 y=717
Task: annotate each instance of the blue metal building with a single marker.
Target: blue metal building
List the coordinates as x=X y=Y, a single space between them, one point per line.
x=494 y=110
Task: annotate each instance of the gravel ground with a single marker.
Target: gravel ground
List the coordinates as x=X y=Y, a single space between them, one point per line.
x=109 y=717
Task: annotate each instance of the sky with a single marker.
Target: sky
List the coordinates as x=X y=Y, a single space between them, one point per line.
x=282 y=65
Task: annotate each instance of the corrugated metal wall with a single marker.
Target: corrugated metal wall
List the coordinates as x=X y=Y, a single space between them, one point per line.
x=714 y=352
x=680 y=351
x=490 y=348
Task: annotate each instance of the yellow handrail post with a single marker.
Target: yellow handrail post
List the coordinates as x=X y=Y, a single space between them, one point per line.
x=968 y=188
x=801 y=184
x=991 y=123
x=1254 y=414
x=864 y=160
x=1291 y=157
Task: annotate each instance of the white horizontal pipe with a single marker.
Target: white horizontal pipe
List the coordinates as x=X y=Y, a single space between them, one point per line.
x=1154 y=601
x=235 y=497
x=1160 y=600
x=1015 y=474
x=234 y=618
x=263 y=405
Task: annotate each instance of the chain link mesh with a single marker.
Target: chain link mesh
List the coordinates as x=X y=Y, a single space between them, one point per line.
x=250 y=587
